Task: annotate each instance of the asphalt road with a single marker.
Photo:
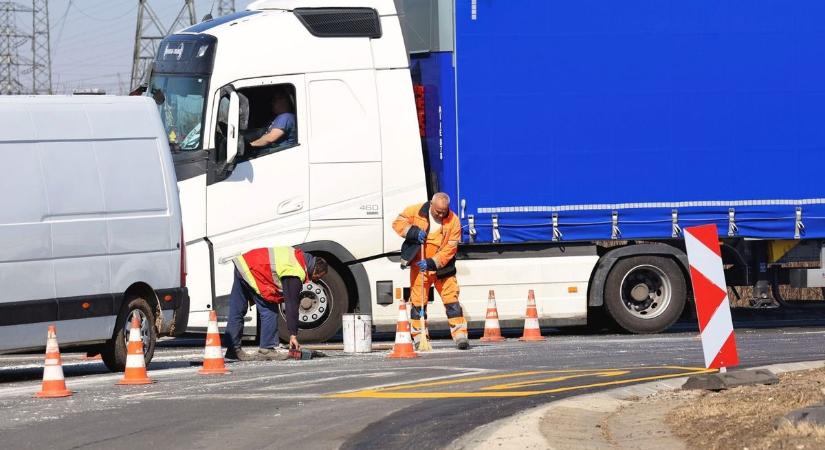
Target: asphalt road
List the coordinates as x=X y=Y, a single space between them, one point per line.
x=341 y=401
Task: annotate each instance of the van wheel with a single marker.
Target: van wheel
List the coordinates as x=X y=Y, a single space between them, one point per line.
x=322 y=305
x=645 y=294
x=114 y=351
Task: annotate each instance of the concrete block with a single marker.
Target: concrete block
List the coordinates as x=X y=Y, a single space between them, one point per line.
x=811 y=414
x=721 y=381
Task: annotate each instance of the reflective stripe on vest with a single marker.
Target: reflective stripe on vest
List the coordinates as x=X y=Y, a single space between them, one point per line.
x=263 y=268
x=287 y=264
x=246 y=274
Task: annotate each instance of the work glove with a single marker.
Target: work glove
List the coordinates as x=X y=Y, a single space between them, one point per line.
x=422 y=236
x=426 y=265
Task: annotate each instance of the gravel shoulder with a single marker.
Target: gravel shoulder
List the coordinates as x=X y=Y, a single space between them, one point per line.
x=747 y=416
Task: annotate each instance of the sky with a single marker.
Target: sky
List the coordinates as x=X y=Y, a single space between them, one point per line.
x=92 y=41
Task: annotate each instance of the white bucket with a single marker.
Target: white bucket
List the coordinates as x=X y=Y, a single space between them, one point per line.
x=357 y=333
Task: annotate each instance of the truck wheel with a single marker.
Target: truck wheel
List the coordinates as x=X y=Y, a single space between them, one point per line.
x=114 y=351
x=645 y=294
x=321 y=309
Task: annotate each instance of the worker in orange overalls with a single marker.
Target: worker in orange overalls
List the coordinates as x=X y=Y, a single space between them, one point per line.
x=438 y=228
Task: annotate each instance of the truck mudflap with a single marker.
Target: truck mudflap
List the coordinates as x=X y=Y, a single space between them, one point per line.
x=174 y=311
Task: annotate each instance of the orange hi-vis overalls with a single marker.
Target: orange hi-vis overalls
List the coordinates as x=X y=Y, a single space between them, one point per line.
x=440 y=248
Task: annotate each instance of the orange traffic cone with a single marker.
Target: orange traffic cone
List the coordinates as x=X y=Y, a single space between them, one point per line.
x=135 y=372
x=403 y=347
x=54 y=384
x=492 y=331
x=212 y=354
x=532 y=332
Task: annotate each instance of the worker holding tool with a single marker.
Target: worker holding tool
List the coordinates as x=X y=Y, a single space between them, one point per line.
x=437 y=229
x=268 y=277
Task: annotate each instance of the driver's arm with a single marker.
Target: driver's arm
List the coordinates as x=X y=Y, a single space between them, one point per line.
x=268 y=139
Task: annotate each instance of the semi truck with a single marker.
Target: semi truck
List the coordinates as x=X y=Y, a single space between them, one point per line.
x=577 y=140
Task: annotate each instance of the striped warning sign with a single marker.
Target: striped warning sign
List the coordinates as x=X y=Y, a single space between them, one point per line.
x=710 y=290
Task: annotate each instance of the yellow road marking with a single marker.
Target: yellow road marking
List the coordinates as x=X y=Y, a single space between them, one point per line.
x=392 y=391
x=530 y=383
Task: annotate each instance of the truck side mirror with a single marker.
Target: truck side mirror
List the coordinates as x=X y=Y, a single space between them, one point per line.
x=232 y=128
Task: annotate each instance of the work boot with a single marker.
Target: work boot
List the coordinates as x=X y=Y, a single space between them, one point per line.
x=240 y=354
x=272 y=354
x=462 y=343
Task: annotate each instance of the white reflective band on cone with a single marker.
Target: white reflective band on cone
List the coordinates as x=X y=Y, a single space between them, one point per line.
x=212 y=352
x=134 y=334
x=491 y=323
x=52 y=361
x=402 y=338
x=135 y=361
x=531 y=322
x=402 y=315
x=213 y=328
x=52 y=373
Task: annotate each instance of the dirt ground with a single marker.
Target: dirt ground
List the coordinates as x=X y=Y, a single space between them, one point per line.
x=748 y=417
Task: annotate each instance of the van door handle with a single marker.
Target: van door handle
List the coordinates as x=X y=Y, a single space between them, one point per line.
x=287 y=206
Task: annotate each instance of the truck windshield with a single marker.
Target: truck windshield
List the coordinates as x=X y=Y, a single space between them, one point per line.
x=180 y=99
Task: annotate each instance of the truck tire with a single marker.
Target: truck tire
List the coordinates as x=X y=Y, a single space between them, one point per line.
x=114 y=351
x=323 y=304
x=645 y=294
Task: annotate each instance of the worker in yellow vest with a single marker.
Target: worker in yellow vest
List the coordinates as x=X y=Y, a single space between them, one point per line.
x=268 y=277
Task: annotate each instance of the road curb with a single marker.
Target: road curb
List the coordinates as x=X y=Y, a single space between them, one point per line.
x=584 y=412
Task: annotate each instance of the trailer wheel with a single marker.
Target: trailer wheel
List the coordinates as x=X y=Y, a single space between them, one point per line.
x=645 y=294
x=321 y=309
x=115 y=350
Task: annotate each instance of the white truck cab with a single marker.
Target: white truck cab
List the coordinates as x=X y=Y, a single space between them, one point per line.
x=356 y=163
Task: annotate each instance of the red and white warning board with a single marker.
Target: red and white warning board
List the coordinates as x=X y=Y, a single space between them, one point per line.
x=711 y=293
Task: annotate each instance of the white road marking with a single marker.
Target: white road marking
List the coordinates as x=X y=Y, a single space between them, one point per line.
x=311 y=382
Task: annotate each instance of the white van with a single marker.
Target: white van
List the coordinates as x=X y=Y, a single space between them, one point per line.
x=90 y=225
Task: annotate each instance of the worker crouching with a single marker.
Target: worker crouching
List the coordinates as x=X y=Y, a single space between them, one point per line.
x=268 y=277
x=436 y=229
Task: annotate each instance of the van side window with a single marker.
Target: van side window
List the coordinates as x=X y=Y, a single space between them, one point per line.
x=273 y=124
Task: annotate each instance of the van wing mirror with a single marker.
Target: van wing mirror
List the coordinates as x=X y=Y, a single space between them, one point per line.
x=232 y=128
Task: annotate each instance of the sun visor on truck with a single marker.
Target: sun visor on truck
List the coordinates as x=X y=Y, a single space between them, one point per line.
x=191 y=54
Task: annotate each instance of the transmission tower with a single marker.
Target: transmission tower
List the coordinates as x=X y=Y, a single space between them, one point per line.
x=41 y=48
x=150 y=31
x=11 y=38
x=226 y=7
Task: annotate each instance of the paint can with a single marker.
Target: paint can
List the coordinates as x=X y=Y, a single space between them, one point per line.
x=357 y=333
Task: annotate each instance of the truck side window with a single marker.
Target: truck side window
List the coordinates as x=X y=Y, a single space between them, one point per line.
x=273 y=124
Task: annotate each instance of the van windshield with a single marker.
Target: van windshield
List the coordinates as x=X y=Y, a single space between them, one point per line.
x=180 y=99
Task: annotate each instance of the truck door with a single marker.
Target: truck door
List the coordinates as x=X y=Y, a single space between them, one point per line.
x=264 y=200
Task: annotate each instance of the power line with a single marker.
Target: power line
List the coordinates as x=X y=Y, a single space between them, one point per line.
x=104 y=19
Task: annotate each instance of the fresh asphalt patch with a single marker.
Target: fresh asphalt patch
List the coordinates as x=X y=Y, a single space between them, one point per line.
x=523 y=383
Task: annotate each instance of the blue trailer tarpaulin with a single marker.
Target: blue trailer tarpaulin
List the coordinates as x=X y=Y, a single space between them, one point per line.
x=623 y=119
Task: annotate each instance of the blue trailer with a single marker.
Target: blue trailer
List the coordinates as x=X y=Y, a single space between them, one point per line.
x=620 y=123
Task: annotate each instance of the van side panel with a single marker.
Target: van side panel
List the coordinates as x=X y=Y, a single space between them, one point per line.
x=90 y=209
x=25 y=240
